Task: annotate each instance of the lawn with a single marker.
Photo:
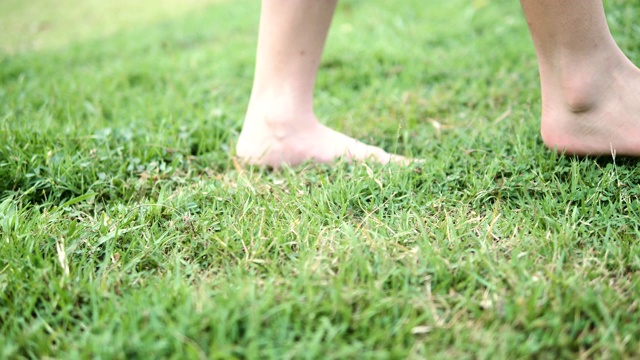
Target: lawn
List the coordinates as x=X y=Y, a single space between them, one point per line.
x=128 y=230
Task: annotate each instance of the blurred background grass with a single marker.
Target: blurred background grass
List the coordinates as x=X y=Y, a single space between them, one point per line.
x=49 y=24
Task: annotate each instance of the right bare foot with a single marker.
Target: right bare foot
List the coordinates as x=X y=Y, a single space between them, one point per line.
x=595 y=113
x=275 y=141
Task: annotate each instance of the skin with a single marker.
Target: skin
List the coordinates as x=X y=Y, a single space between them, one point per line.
x=590 y=90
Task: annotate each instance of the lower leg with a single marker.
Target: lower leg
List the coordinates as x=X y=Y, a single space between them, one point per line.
x=590 y=90
x=280 y=126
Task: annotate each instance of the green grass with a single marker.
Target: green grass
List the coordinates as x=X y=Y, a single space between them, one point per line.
x=127 y=231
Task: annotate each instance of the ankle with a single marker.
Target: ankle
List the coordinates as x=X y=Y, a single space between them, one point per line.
x=278 y=121
x=584 y=85
x=579 y=94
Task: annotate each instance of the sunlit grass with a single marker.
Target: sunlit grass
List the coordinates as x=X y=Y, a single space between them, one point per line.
x=128 y=231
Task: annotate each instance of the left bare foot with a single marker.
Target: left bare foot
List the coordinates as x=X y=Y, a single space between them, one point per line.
x=276 y=142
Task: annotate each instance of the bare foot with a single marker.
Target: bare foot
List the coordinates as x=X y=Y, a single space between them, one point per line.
x=595 y=113
x=275 y=143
